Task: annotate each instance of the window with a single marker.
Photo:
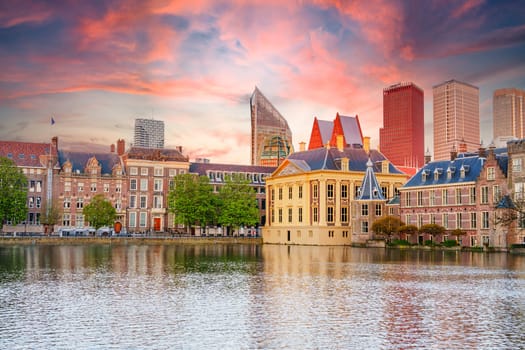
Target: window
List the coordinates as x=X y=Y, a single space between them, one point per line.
x=106 y=187
x=516 y=165
x=280 y=215
x=458 y=195
x=118 y=188
x=432 y=197
x=157 y=185
x=31 y=202
x=142 y=219
x=521 y=221
x=66 y=220
x=364 y=209
x=143 y=201
x=519 y=190
x=419 y=198
x=379 y=210
x=280 y=193
x=419 y=220
x=315 y=191
x=144 y=171
x=157 y=202
x=345 y=234
x=484 y=195
x=485 y=219
x=80 y=187
x=290 y=215
x=444 y=197
x=79 y=220
x=330 y=214
x=445 y=220
x=364 y=226
x=473 y=220
x=472 y=195
x=67 y=202
x=330 y=191
x=133 y=201
x=290 y=192
x=407 y=199
x=344 y=191
x=159 y=171
x=143 y=184
x=491 y=173
x=80 y=203
x=273 y=216
x=459 y=219
x=133 y=184
x=172 y=172
x=132 y=219
x=67 y=186
x=384 y=190
x=300 y=215
x=496 y=194
x=118 y=205
x=300 y=194
x=93 y=187
x=331 y=234
x=433 y=218
x=133 y=171
x=315 y=214
x=344 y=214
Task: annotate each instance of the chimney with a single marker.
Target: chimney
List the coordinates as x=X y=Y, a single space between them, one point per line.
x=302 y=146
x=112 y=148
x=340 y=142
x=428 y=157
x=453 y=153
x=481 y=151
x=54 y=143
x=366 y=143
x=179 y=148
x=121 y=147
x=462 y=147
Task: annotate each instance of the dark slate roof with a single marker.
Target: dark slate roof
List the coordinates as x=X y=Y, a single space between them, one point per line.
x=472 y=165
x=396 y=200
x=25 y=154
x=203 y=168
x=325 y=128
x=330 y=159
x=79 y=160
x=351 y=130
x=505 y=203
x=160 y=154
x=370 y=189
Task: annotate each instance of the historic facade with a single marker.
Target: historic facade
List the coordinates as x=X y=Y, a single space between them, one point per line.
x=312 y=197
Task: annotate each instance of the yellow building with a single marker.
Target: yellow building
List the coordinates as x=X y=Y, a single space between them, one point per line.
x=315 y=197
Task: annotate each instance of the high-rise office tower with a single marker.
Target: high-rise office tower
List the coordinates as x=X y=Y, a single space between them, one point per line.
x=456 y=118
x=402 y=137
x=508 y=113
x=149 y=133
x=271 y=136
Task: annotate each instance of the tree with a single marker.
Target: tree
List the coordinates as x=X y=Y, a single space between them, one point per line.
x=458 y=232
x=192 y=200
x=100 y=212
x=238 y=203
x=387 y=226
x=432 y=229
x=408 y=230
x=50 y=216
x=13 y=193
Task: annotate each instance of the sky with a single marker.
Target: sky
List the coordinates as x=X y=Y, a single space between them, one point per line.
x=96 y=66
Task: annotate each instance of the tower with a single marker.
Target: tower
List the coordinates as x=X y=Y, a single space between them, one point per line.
x=149 y=133
x=508 y=113
x=456 y=117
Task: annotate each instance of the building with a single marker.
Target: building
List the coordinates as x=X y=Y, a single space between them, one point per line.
x=460 y=193
x=402 y=138
x=217 y=173
x=312 y=197
x=149 y=133
x=271 y=135
x=508 y=113
x=456 y=117
x=326 y=132
x=516 y=229
x=149 y=172
x=38 y=162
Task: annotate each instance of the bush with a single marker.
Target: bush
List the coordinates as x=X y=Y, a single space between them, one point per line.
x=429 y=242
x=517 y=245
x=400 y=242
x=449 y=243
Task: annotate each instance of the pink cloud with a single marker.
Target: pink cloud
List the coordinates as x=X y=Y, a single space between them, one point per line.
x=466 y=7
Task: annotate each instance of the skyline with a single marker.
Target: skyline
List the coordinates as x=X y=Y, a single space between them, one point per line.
x=96 y=67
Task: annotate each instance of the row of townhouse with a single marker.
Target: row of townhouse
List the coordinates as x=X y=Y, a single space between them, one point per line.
x=136 y=182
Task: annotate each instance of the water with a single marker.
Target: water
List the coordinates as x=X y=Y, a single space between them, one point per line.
x=258 y=297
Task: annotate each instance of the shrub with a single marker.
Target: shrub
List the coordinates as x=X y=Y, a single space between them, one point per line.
x=429 y=242
x=449 y=243
x=400 y=242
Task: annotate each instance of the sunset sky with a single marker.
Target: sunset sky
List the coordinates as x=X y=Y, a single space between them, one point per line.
x=95 y=66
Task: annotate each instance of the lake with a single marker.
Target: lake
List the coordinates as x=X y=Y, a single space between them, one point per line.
x=243 y=296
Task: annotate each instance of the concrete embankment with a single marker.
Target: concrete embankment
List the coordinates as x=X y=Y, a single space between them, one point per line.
x=126 y=240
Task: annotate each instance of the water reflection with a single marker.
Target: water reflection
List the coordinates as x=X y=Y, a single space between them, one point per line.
x=251 y=296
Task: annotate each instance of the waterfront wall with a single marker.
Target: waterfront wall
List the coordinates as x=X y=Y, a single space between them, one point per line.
x=126 y=240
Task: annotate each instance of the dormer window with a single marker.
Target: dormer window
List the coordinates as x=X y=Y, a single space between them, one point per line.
x=424 y=175
x=374 y=193
x=437 y=172
x=462 y=172
x=449 y=174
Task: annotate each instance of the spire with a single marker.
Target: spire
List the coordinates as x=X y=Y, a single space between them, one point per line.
x=370 y=189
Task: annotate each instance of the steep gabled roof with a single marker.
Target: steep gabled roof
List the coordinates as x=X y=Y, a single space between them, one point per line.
x=24 y=154
x=370 y=189
x=349 y=128
x=506 y=203
x=79 y=160
x=321 y=133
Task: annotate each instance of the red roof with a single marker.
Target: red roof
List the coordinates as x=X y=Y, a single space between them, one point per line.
x=25 y=154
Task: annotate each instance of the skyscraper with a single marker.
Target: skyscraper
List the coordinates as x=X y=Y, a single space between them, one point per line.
x=456 y=118
x=271 y=136
x=508 y=113
x=402 y=137
x=149 y=133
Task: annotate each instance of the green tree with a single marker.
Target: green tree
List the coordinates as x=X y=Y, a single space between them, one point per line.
x=432 y=229
x=192 y=200
x=238 y=203
x=458 y=232
x=13 y=193
x=100 y=212
x=387 y=226
x=408 y=230
x=50 y=216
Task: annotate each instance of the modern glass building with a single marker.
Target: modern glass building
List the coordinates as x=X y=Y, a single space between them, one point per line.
x=271 y=135
x=508 y=113
x=149 y=133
